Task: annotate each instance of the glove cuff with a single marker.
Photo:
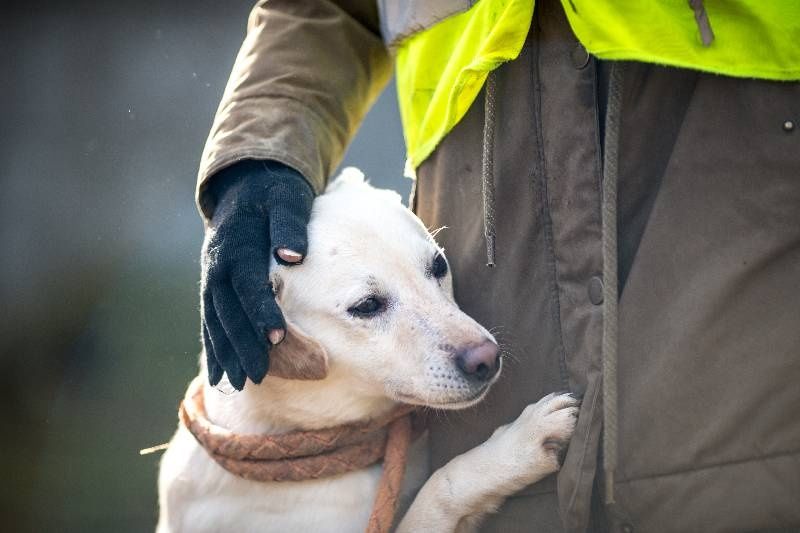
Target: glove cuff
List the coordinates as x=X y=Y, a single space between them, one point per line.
x=254 y=182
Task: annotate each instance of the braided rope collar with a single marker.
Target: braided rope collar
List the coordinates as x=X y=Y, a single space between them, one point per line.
x=313 y=454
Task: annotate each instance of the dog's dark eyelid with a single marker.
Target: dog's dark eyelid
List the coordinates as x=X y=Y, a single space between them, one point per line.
x=438 y=267
x=368 y=307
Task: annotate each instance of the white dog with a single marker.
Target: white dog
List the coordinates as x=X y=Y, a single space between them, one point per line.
x=375 y=292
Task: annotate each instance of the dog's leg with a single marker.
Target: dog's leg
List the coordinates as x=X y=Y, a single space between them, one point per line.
x=461 y=493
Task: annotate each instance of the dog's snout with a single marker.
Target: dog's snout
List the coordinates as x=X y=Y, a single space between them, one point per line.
x=479 y=361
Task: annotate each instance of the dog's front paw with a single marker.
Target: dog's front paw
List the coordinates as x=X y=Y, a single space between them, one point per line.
x=560 y=413
x=537 y=440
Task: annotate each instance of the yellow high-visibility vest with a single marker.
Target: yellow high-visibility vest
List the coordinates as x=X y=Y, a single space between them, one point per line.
x=440 y=69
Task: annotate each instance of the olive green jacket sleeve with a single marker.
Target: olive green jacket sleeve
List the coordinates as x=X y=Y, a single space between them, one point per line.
x=305 y=76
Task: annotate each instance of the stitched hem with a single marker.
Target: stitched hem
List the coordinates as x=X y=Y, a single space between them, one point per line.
x=719 y=68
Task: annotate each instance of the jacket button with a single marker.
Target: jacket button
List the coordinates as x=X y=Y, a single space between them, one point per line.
x=788 y=126
x=627 y=528
x=596 y=290
x=579 y=56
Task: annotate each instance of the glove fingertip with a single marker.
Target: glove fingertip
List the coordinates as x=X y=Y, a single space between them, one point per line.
x=214 y=369
x=214 y=375
x=237 y=381
x=288 y=229
x=258 y=378
x=257 y=368
x=215 y=372
x=271 y=318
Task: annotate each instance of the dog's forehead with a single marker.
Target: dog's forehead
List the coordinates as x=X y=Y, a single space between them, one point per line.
x=367 y=223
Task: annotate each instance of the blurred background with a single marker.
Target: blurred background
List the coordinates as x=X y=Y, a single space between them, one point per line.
x=106 y=107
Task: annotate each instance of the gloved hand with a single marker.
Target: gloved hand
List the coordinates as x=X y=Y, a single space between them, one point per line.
x=261 y=210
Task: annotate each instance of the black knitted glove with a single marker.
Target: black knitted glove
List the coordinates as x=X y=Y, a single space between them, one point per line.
x=262 y=210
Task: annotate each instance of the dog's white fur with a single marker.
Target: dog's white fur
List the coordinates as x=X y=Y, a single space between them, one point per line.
x=363 y=242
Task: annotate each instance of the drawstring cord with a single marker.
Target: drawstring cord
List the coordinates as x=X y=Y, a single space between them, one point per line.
x=610 y=290
x=487 y=181
x=487 y=169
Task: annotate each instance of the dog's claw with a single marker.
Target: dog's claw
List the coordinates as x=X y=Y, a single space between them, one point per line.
x=559 y=448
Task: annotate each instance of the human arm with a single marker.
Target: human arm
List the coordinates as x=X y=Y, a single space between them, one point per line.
x=305 y=76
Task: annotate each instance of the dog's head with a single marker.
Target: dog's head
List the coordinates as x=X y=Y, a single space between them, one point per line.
x=373 y=301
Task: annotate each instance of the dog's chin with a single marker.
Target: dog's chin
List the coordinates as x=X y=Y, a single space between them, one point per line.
x=448 y=404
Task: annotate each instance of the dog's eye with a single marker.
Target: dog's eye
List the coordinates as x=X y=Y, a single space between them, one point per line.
x=368 y=307
x=439 y=266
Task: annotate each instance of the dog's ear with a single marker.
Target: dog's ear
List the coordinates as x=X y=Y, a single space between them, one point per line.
x=350 y=176
x=298 y=356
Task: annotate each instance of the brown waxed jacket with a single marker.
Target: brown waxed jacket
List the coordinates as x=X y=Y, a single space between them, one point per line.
x=709 y=256
x=304 y=78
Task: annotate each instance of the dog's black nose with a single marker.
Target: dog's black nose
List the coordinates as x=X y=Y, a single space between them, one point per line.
x=479 y=361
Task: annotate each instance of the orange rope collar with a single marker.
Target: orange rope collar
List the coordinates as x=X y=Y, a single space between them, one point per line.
x=314 y=454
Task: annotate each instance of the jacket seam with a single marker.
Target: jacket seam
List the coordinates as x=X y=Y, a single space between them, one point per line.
x=552 y=267
x=630 y=54
x=599 y=145
x=585 y=445
x=547 y=220
x=711 y=466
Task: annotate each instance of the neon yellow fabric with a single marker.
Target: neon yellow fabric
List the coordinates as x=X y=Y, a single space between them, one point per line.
x=752 y=38
x=441 y=70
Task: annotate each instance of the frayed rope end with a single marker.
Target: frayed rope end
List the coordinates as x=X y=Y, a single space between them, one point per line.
x=154 y=449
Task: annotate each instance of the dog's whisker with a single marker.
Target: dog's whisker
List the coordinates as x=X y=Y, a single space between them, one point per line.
x=435 y=232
